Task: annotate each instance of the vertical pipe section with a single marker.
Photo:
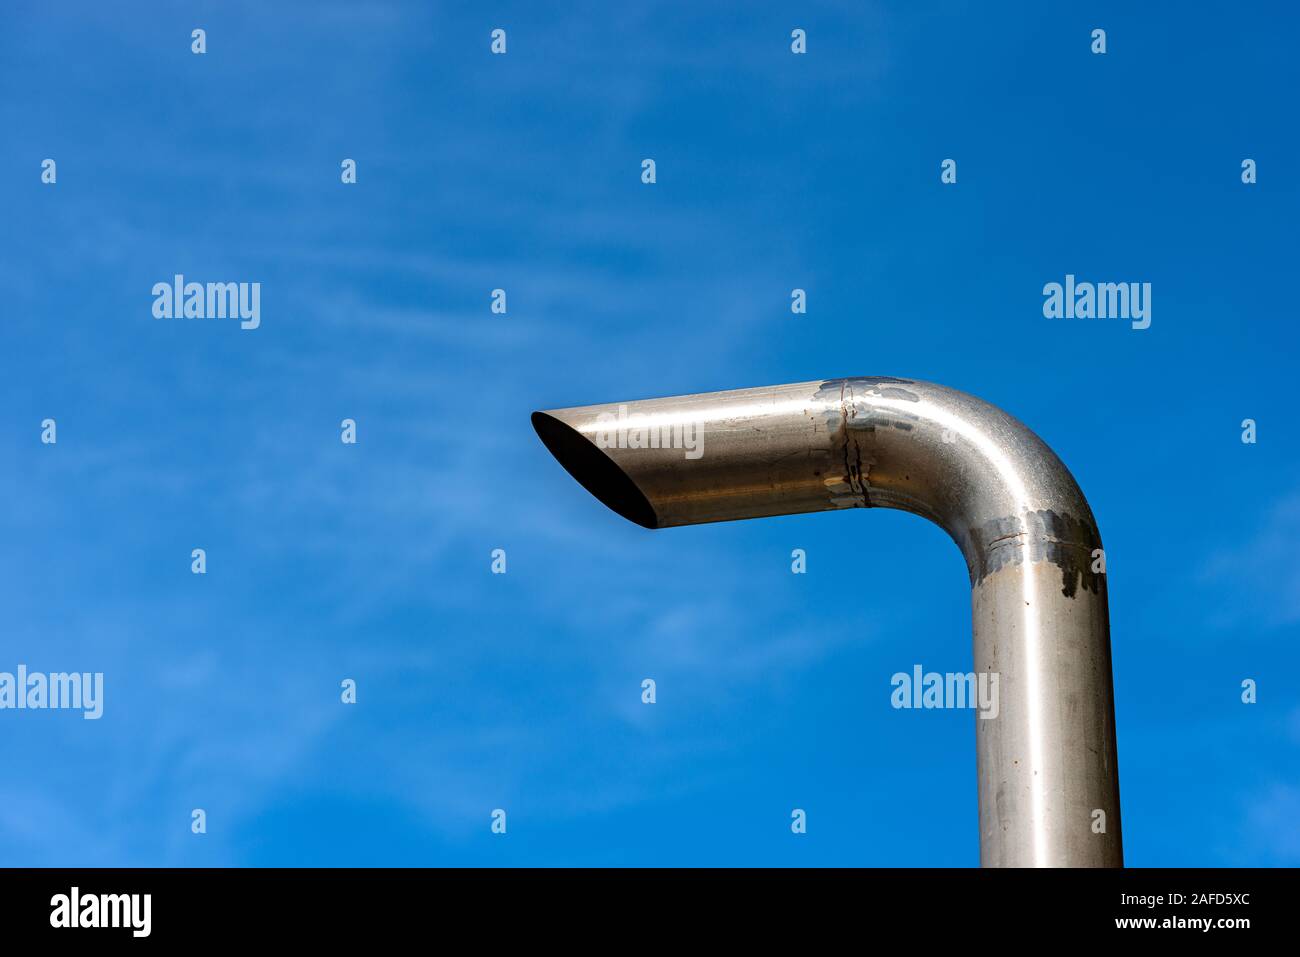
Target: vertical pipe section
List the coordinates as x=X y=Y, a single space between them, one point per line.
x=1048 y=779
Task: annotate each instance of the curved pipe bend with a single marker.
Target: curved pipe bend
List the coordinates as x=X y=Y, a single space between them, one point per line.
x=1048 y=781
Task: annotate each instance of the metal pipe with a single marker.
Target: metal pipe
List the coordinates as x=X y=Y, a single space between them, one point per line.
x=1047 y=762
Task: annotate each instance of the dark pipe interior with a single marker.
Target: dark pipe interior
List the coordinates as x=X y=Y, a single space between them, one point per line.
x=594 y=470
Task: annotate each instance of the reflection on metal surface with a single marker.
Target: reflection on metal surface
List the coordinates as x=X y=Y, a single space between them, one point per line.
x=1047 y=764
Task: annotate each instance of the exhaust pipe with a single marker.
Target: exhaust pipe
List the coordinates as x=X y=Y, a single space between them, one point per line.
x=1048 y=779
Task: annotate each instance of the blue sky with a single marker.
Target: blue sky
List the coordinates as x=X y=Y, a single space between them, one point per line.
x=371 y=561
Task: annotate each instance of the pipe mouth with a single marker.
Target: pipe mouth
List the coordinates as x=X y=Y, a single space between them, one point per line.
x=594 y=470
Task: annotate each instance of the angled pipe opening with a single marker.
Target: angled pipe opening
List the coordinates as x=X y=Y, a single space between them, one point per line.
x=595 y=471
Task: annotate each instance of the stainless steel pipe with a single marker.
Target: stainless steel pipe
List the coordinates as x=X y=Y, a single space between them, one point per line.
x=1048 y=780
